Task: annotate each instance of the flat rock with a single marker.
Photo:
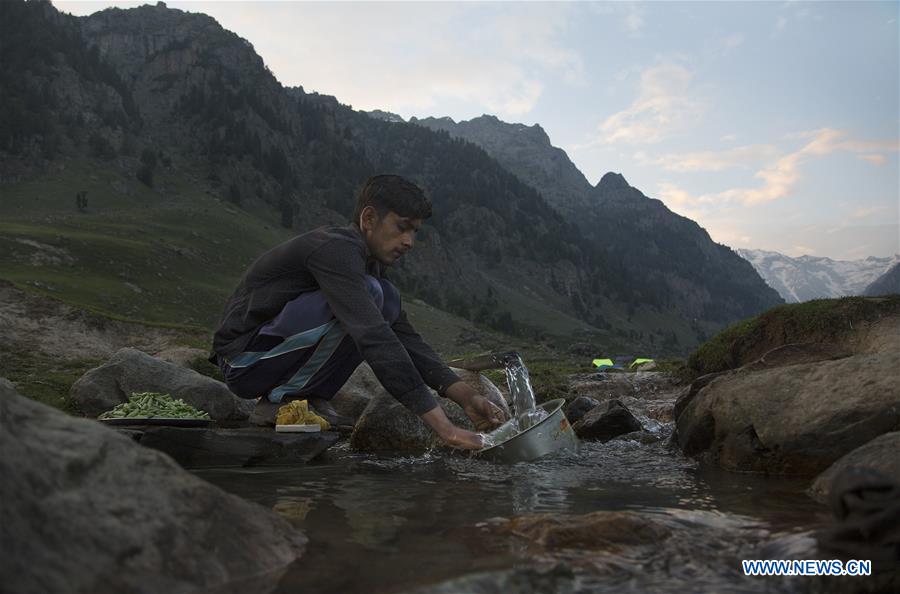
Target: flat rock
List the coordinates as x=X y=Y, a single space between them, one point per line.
x=131 y=370
x=193 y=447
x=606 y=421
x=794 y=420
x=88 y=510
x=881 y=454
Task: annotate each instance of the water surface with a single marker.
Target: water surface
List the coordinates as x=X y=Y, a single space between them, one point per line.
x=381 y=524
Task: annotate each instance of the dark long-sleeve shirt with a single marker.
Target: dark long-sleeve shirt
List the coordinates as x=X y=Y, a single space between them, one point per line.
x=335 y=260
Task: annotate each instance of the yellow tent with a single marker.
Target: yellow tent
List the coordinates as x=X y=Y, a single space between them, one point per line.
x=637 y=362
x=603 y=363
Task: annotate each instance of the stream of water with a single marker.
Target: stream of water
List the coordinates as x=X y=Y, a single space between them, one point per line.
x=379 y=524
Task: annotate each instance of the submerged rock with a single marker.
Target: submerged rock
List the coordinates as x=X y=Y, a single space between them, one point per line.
x=87 y=510
x=797 y=419
x=387 y=425
x=604 y=422
x=666 y=550
x=131 y=370
x=597 y=531
x=881 y=454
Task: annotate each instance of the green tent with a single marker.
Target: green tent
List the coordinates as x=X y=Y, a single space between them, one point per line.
x=602 y=364
x=639 y=361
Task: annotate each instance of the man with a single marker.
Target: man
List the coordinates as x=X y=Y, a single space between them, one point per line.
x=307 y=312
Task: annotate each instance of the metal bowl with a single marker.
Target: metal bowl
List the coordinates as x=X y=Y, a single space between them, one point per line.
x=551 y=434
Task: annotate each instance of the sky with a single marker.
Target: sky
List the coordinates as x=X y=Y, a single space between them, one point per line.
x=774 y=125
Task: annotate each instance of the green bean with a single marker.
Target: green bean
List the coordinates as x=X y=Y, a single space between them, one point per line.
x=154 y=405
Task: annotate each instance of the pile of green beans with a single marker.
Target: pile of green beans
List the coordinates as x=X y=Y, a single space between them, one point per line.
x=153 y=405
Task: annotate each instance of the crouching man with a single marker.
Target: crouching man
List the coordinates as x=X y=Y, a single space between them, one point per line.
x=306 y=313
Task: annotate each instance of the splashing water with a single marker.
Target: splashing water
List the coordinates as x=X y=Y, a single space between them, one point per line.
x=526 y=414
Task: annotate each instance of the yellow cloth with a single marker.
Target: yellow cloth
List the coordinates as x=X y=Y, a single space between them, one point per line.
x=297 y=412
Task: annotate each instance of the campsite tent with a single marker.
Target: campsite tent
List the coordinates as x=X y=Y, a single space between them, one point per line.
x=602 y=364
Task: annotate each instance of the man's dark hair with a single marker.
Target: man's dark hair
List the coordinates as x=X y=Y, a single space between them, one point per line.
x=387 y=193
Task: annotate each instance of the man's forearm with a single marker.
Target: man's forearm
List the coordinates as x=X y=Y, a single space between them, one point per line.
x=461 y=393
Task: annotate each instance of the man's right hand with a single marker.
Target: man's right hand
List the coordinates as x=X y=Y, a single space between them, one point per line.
x=463 y=439
x=452 y=435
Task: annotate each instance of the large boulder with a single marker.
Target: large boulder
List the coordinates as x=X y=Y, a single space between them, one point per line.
x=387 y=425
x=606 y=421
x=131 y=370
x=355 y=394
x=882 y=454
x=579 y=407
x=87 y=510
x=796 y=419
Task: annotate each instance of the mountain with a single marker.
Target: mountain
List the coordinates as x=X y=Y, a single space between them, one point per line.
x=527 y=152
x=811 y=277
x=664 y=260
x=196 y=159
x=887 y=283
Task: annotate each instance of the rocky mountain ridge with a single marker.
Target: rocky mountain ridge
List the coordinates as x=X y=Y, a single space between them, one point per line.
x=812 y=277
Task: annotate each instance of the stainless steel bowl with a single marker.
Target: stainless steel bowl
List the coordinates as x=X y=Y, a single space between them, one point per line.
x=552 y=434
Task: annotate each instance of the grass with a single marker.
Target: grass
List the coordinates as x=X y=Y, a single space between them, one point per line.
x=159 y=258
x=821 y=320
x=45 y=379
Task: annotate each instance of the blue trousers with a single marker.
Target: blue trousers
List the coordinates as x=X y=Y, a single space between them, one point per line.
x=304 y=350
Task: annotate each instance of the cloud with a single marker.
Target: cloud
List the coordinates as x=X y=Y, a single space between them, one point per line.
x=741 y=156
x=861 y=213
x=662 y=107
x=780 y=24
x=631 y=14
x=801 y=250
x=873 y=158
x=634 y=18
x=779 y=176
x=729 y=43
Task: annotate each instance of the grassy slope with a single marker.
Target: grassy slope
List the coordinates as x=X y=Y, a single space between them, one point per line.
x=821 y=320
x=165 y=258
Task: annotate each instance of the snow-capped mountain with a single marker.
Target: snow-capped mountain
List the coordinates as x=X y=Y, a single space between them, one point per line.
x=811 y=277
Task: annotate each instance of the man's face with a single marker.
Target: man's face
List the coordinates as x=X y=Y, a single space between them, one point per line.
x=390 y=236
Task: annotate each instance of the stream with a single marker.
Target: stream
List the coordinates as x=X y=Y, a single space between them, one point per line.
x=385 y=524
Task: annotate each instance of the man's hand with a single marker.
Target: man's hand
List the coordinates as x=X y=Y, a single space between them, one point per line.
x=484 y=414
x=450 y=433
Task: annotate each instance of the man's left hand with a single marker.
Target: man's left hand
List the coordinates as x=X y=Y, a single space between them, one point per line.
x=484 y=414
